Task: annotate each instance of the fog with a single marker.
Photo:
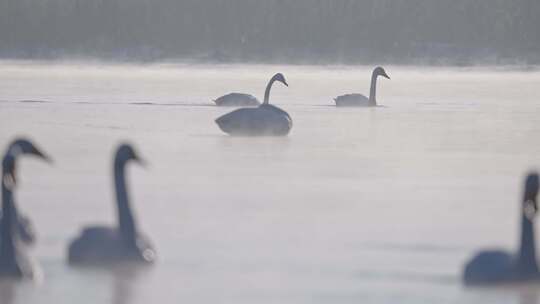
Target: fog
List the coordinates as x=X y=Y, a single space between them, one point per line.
x=459 y=32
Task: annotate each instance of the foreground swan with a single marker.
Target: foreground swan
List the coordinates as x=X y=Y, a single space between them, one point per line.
x=237 y=100
x=265 y=120
x=24 y=226
x=359 y=100
x=13 y=261
x=496 y=267
x=102 y=246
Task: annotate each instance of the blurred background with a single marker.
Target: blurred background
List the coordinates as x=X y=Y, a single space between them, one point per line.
x=456 y=32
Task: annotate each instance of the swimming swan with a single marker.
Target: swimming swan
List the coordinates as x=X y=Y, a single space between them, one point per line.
x=359 y=100
x=104 y=246
x=24 y=227
x=237 y=100
x=14 y=263
x=496 y=267
x=265 y=120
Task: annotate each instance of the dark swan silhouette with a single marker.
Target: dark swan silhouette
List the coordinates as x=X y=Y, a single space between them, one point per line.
x=104 y=246
x=265 y=120
x=14 y=263
x=359 y=100
x=237 y=100
x=24 y=226
x=498 y=267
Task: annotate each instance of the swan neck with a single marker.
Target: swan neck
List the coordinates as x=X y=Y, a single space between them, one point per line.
x=7 y=247
x=527 y=253
x=373 y=89
x=126 y=222
x=267 y=91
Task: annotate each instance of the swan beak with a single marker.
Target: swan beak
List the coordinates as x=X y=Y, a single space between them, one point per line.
x=141 y=161
x=285 y=83
x=385 y=76
x=42 y=155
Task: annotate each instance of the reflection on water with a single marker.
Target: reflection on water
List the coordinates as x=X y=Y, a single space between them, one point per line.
x=529 y=298
x=124 y=283
x=7 y=291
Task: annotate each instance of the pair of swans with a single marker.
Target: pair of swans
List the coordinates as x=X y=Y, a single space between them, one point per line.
x=347 y=100
x=269 y=120
x=96 y=246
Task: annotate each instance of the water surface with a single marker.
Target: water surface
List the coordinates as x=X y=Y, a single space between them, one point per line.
x=379 y=205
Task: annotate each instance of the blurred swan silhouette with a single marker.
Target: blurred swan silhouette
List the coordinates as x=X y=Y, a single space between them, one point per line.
x=237 y=100
x=265 y=120
x=496 y=267
x=14 y=263
x=359 y=100
x=104 y=246
x=24 y=226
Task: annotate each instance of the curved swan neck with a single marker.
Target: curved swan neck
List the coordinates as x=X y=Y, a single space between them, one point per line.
x=126 y=222
x=527 y=252
x=7 y=247
x=267 y=91
x=373 y=88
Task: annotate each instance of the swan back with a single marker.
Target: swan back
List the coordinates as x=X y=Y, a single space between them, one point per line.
x=237 y=100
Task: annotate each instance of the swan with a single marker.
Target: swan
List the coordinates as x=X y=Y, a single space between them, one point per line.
x=359 y=100
x=24 y=227
x=103 y=246
x=495 y=266
x=237 y=100
x=14 y=262
x=265 y=120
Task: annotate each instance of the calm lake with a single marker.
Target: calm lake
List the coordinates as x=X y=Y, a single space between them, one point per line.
x=373 y=205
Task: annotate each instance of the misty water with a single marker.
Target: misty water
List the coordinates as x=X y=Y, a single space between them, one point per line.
x=374 y=205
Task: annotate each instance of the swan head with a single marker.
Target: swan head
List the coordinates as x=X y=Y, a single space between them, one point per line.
x=125 y=153
x=531 y=191
x=379 y=71
x=17 y=148
x=279 y=77
x=24 y=146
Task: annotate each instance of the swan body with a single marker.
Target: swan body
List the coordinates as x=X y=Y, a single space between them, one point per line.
x=359 y=100
x=237 y=100
x=353 y=100
x=265 y=120
x=499 y=267
x=104 y=246
x=14 y=262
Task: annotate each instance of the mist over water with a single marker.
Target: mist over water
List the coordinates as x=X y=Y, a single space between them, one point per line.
x=460 y=32
x=369 y=205
x=376 y=205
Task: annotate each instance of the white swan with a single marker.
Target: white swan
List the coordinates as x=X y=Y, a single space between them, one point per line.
x=237 y=100
x=495 y=266
x=265 y=120
x=99 y=245
x=14 y=262
x=359 y=100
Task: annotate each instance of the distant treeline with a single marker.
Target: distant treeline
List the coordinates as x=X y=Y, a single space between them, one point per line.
x=292 y=31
